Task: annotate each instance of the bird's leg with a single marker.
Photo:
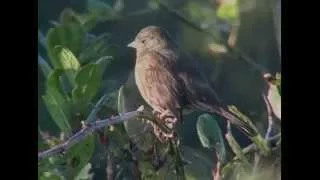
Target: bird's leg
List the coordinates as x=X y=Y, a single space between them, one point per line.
x=168 y=119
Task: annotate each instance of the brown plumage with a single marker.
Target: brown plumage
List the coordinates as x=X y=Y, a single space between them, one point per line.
x=168 y=81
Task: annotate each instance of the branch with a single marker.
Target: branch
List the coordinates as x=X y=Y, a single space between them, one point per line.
x=252 y=147
x=270 y=119
x=89 y=128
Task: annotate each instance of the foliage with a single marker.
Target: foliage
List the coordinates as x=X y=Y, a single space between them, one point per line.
x=77 y=60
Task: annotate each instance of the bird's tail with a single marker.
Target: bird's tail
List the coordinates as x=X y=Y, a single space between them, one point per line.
x=223 y=112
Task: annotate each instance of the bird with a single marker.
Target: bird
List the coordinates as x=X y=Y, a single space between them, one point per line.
x=169 y=80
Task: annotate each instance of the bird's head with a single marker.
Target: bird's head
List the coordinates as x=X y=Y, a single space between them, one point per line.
x=151 y=38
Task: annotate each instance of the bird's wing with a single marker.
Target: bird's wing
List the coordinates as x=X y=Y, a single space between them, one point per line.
x=201 y=96
x=196 y=85
x=163 y=89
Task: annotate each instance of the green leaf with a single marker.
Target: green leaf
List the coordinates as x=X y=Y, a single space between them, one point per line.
x=45 y=67
x=42 y=39
x=87 y=82
x=56 y=101
x=103 y=10
x=118 y=5
x=78 y=156
x=85 y=174
x=69 y=36
x=200 y=165
x=229 y=11
x=129 y=99
x=88 y=21
x=210 y=135
x=50 y=175
x=103 y=62
x=69 y=63
x=93 y=114
x=237 y=149
x=96 y=49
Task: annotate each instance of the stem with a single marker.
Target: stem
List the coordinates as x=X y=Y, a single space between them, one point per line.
x=178 y=160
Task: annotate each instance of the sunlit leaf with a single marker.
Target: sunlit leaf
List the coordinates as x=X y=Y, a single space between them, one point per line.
x=50 y=175
x=78 y=156
x=57 y=102
x=210 y=135
x=69 y=63
x=274 y=98
x=228 y=10
x=69 y=36
x=85 y=173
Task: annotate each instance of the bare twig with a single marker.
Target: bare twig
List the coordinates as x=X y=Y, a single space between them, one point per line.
x=110 y=167
x=257 y=158
x=89 y=128
x=270 y=119
x=178 y=160
x=252 y=147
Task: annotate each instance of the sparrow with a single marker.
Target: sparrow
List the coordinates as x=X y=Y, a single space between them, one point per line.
x=169 y=80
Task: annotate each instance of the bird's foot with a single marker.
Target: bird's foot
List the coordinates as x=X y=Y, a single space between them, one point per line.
x=161 y=135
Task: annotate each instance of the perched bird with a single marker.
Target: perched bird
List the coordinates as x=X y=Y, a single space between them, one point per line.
x=169 y=80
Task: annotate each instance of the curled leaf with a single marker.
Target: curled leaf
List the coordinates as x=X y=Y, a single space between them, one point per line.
x=210 y=135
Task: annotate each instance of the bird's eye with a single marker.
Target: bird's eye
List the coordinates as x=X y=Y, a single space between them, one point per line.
x=143 y=41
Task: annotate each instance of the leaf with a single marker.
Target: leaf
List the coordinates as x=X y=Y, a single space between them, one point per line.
x=103 y=62
x=228 y=10
x=69 y=36
x=237 y=149
x=88 y=21
x=118 y=5
x=129 y=99
x=199 y=167
x=69 y=63
x=42 y=39
x=96 y=49
x=85 y=174
x=235 y=170
x=45 y=67
x=49 y=175
x=78 y=156
x=56 y=101
x=93 y=114
x=103 y=10
x=274 y=98
x=210 y=135
x=87 y=84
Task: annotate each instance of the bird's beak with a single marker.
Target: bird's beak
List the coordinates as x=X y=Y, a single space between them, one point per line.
x=133 y=44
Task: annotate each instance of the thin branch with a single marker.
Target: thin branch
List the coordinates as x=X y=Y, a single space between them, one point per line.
x=252 y=147
x=178 y=160
x=89 y=128
x=270 y=119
